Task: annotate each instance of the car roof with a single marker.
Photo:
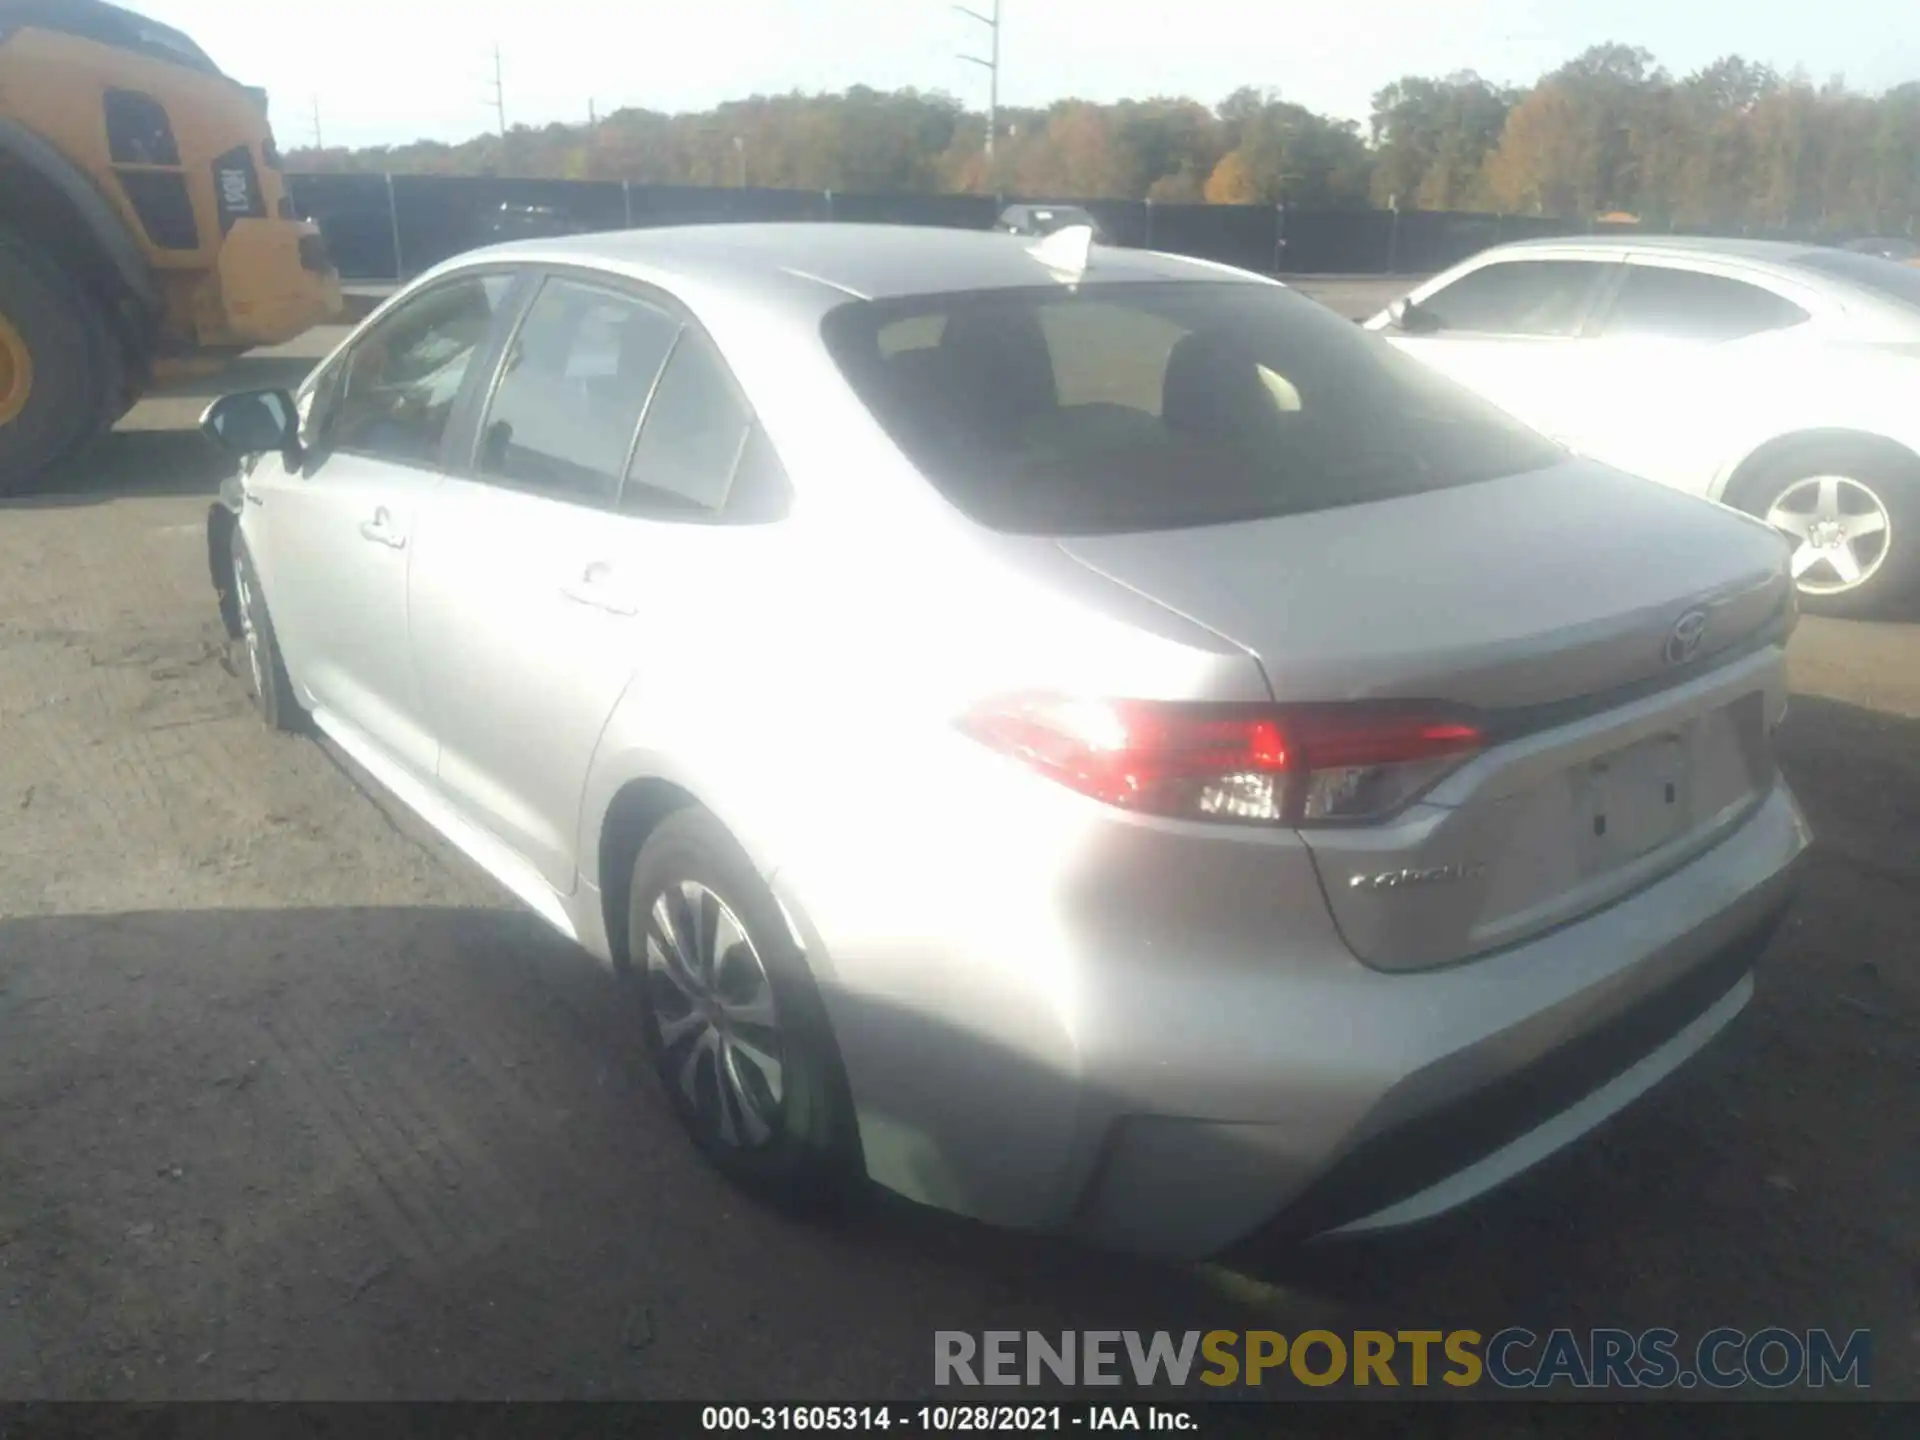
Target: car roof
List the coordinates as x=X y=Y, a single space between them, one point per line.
x=1775 y=252
x=812 y=262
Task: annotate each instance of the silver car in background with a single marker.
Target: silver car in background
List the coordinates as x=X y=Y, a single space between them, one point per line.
x=1776 y=378
x=1082 y=738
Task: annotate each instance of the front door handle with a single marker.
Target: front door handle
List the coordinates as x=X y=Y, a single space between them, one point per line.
x=596 y=587
x=382 y=531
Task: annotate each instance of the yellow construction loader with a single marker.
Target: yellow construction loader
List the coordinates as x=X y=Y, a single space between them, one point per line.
x=145 y=228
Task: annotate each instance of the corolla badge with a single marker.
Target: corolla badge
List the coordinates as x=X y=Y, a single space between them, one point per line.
x=1683 y=640
x=1407 y=879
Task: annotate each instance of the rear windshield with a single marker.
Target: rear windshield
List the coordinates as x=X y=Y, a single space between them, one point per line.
x=1889 y=279
x=1160 y=406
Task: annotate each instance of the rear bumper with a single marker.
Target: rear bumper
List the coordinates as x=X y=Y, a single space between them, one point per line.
x=1651 y=981
x=1427 y=1165
x=1054 y=1064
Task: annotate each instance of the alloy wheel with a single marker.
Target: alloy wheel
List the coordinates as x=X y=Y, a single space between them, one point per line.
x=249 y=626
x=713 y=1013
x=1843 y=530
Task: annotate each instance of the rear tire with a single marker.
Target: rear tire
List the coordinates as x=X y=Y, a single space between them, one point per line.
x=1863 y=500
x=266 y=671
x=732 y=1021
x=62 y=374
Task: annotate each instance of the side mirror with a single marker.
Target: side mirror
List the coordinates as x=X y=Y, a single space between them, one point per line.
x=253 y=422
x=1406 y=316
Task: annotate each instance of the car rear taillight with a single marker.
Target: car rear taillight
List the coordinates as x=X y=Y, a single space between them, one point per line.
x=1255 y=764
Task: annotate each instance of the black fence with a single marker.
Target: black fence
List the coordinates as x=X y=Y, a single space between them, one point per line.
x=392 y=227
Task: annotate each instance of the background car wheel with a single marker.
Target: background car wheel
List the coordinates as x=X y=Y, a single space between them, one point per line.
x=732 y=1021
x=266 y=671
x=1854 y=515
x=62 y=374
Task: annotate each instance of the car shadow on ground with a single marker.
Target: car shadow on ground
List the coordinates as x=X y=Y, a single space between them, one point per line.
x=412 y=1153
x=133 y=463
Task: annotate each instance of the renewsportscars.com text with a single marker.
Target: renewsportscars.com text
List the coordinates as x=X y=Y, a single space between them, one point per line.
x=1514 y=1358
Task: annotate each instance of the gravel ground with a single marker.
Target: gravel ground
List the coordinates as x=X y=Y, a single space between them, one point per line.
x=295 y=1105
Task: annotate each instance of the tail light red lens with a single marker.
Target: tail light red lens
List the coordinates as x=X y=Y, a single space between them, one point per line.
x=1308 y=765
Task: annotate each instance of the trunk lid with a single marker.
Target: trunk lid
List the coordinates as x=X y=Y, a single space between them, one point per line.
x=1549 y=602
x=1548 y=586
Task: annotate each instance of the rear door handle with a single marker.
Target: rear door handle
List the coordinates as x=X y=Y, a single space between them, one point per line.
x=382 y=531
x=596 y=587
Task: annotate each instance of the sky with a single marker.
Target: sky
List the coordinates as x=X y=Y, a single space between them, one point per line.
x=390 y=71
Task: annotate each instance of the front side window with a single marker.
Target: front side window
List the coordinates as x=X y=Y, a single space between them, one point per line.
x=1127 y=407
x=570 y=394
x=392 y=395
x=1659 y=302
x=1516 y=297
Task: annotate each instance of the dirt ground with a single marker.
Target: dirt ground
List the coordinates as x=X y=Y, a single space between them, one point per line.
x=294 y=1104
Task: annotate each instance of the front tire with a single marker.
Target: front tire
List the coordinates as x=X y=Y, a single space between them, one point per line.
x=733 y=1023
x=266 y=670
x=62 y=374
x=1853 y=514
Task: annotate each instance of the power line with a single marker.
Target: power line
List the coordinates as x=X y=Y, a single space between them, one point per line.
x=990 y=65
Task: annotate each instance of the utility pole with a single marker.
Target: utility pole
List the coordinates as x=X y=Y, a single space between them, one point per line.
x=317 y=142
x=991 y=65
x=499 y=93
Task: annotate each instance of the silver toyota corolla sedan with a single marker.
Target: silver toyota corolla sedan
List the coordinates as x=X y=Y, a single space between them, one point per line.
x=1083 y=738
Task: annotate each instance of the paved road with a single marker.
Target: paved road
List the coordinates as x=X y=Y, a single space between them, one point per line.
x=296 y=1105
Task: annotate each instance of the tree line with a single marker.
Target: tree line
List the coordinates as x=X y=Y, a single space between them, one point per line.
x=1734 y=143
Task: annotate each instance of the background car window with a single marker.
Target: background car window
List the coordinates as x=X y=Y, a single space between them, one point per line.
x=1516 y=297
x=692 y=441
x=1887 y=279
x=1145 y=406
x=916 y=332
x=1109 y=354
x=397 y=387
x=1658 y=301
x=571 y=391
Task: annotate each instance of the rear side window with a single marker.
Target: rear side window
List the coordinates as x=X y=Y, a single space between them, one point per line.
x=1517 y=297
x=1661 y=302
x=694 y=440
x=1120 y=407
x=570 y=394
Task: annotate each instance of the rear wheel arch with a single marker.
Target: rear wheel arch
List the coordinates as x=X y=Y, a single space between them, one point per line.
x=649 y=790
x=635 y=812
x=1741 y=486
x=1884 y=473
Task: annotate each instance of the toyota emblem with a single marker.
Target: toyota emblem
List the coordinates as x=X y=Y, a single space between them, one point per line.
x=1683 y=641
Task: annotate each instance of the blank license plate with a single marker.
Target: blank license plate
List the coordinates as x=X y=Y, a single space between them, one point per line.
x=1631 y=802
